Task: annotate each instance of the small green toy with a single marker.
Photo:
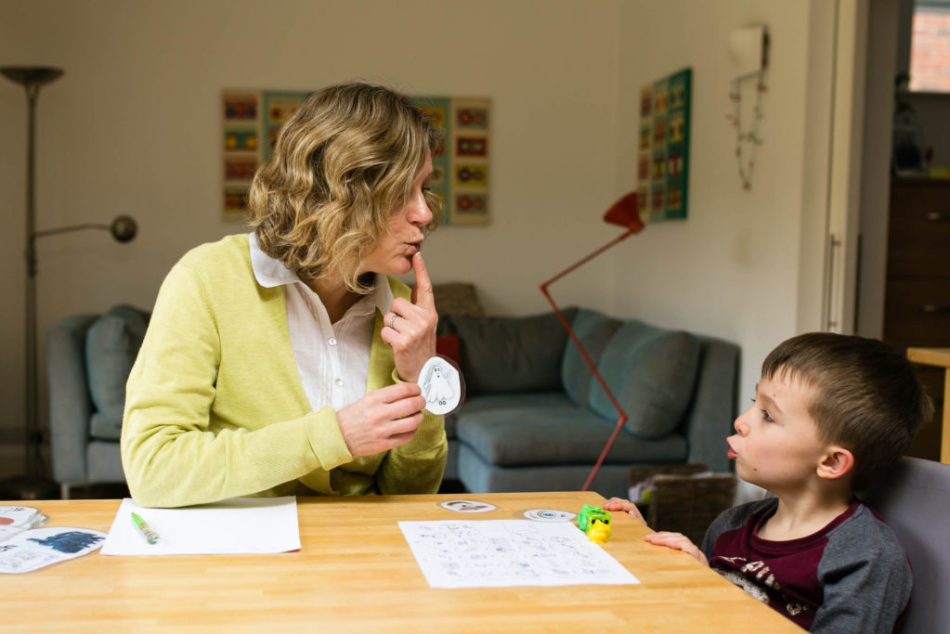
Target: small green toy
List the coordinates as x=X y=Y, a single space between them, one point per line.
x=590 y=515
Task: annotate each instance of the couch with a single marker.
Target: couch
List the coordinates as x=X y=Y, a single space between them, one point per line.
x=535 y=418
x=89 y=358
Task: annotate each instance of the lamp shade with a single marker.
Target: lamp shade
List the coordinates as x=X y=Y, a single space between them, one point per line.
x=123 y=228
x=626 y=213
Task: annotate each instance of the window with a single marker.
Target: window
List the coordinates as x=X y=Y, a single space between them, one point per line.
x=930 y=46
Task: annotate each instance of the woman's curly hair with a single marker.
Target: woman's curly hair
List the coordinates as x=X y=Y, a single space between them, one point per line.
x=344 y=161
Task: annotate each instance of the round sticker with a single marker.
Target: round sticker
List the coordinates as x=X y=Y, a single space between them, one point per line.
x=549 y=515
x=441 y=385
x=467 y=506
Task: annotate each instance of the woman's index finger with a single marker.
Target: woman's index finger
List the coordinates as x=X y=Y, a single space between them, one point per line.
x=422 y=294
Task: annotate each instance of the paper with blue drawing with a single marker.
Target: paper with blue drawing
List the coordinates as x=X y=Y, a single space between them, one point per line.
x=24 y=547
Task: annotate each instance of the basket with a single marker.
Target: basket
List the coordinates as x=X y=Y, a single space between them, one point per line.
x=684 y=498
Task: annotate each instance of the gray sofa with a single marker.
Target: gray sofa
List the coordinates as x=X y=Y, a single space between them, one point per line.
x=535 y=418
x=89 y=358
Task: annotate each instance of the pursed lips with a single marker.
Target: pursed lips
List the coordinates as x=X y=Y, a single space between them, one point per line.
x=730 y=453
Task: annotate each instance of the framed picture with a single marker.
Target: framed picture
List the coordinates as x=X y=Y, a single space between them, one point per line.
x=663 y=148
x=462 y=175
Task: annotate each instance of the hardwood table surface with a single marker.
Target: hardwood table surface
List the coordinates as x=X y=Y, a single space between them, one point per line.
x=939 y=357
x=355 y=572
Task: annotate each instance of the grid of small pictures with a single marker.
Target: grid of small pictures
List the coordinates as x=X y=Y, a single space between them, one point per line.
x=252 y=119
x=460 y=165
x=663 y=147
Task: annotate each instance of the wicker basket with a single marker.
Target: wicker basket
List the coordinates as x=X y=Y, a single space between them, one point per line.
x=685 y=498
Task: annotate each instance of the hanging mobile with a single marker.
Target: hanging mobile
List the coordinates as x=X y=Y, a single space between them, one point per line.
x=748 y=56
x=749 y=138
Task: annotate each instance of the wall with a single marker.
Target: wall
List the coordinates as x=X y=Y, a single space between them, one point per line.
x=875 y=186
x=134 y=127
x=733 y=268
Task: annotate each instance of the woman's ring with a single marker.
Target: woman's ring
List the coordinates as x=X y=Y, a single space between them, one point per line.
x=392 y=321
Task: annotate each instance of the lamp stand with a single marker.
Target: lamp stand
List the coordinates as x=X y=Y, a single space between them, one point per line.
x=34 y=484
x=625 y=213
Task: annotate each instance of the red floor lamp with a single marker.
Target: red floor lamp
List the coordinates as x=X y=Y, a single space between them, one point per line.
x=625 y=213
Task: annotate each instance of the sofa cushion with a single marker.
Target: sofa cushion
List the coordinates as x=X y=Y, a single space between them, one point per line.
x=594 y=330
x=448 y=346
x=651 y=372
x=457 y=298
x=511 y=354
x=112 y=344
x=548 y=429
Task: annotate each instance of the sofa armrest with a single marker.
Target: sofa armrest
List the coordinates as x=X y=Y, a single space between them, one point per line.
x=713 y=410
x=69 y=404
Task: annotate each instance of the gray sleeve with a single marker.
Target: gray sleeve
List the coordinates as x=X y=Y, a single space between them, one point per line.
x=866 y=578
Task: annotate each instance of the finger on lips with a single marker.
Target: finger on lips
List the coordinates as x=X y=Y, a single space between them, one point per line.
x=422 y=293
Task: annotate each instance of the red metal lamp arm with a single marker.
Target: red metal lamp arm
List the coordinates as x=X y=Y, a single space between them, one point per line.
x=590 y=363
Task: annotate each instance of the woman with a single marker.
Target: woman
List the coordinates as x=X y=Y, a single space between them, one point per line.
x=285 y=362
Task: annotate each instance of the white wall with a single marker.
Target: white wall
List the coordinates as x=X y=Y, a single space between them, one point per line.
x=732 y=268
x=134 y=127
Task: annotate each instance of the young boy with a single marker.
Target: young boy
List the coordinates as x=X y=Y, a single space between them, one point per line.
x=829 y=414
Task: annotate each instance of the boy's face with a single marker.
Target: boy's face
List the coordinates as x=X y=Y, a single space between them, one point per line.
x=777 y=445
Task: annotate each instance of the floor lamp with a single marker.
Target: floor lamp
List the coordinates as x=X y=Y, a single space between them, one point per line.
x=625 y=213
x=34 y=485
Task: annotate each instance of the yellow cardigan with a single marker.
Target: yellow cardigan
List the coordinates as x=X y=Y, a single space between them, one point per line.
x=214 y=407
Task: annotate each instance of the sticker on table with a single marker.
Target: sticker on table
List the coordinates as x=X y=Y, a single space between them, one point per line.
x=467 y=506
x=16 y=519
x=40 y=547
x=441 y=385
x=549 y=515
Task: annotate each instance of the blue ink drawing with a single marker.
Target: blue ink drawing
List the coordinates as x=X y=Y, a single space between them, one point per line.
x=69 y=542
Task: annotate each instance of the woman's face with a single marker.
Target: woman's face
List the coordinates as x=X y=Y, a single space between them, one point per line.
x=393 y=253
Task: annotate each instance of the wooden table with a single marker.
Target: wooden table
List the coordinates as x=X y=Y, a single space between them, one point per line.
x=939 y=357
x=355 y=572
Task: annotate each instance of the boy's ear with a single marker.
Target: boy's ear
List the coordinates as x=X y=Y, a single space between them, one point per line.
x=836 y=463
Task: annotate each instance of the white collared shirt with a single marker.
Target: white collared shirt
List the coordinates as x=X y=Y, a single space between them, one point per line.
x=332 y=359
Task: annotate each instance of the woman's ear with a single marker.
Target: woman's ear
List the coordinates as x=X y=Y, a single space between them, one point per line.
x=836 y=463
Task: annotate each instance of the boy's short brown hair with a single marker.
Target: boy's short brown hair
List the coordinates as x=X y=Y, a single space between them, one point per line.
x=868 y=397
x=341 y=164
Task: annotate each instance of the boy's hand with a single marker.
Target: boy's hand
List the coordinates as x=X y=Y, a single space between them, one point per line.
x=677 y=541
x=616 y=504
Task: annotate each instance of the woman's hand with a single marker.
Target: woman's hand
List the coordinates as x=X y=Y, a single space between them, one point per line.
x=383 y=419
x=677 y=541
x=617 y=504
x=409 y=327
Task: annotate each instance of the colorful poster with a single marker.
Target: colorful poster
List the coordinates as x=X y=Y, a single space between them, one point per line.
x=663 y=147
x=252 y=119
x=461 y=174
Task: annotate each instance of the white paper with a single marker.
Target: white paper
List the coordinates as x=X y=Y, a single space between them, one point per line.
x=235 y=526
x=500 y=553
x=39 y=547
x=15 y=519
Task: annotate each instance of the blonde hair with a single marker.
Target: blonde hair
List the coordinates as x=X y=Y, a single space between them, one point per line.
x=344 y=161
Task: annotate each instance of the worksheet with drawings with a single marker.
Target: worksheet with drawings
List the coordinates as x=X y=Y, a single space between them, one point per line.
x=500 y=553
